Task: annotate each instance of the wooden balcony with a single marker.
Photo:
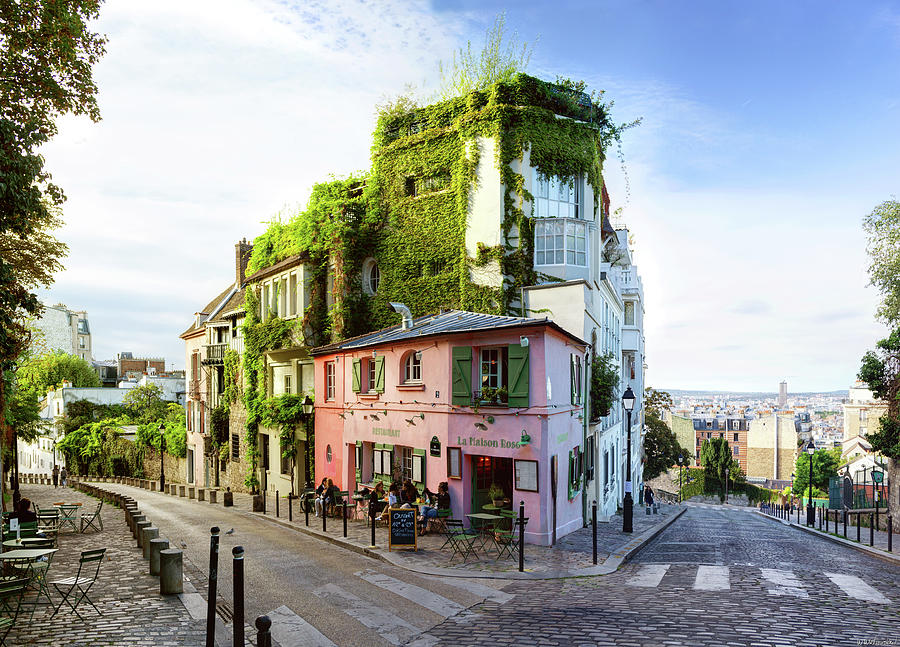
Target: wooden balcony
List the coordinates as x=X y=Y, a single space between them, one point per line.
x=214 y=354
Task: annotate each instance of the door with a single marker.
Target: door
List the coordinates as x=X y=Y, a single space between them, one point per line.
x=487 y=470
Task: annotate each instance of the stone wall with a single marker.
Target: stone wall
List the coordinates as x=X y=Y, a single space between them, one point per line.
x=894 y=498
x=176 y=468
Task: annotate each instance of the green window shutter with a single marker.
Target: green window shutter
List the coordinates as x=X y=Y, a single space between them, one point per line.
x=379 y=374
x=462 y=375
x=518 y=376
x=418 y=452
x=571 y=471
x=573 y=399
x=357 y=375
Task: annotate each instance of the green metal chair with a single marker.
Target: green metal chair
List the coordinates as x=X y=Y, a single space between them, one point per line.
x=93 y=519
x=460 y=539
x=69 y=515
x=11 y=594
x=78 y=586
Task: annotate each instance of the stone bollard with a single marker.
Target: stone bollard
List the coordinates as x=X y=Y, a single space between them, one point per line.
x=228 y=498
x=181 y=490
x=147 y=534
x=212 y=496
x=201 y=494
x=153 y=486
x=130 y=511
x=190 y=492
x=135 y=520
x=140 y=532
x=170 y=572
x=156 y=545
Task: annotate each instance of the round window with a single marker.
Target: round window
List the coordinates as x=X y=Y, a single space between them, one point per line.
x=371 y=276
x=328 y=453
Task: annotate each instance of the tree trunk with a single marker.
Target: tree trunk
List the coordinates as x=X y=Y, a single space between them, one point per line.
x=893 y=483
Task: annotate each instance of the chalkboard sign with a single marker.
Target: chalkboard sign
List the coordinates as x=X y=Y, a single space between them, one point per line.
x=403 y=528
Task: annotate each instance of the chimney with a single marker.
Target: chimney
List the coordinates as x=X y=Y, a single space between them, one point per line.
x=241 y=257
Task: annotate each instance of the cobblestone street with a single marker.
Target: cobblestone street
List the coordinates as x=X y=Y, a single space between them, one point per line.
x=131 y=610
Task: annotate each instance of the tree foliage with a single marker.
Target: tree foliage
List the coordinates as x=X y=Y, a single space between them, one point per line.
x=49 y=370
x=716 y=457
x=882 y=227
x=661 y=447
x=657 y=402
x=501 y=58
x=145 y=403
x=880 y=369
x=825 y=465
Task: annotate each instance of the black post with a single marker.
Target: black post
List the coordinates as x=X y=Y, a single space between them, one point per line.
x=521 y=536
x=263 y=636
x=211 y=593
x=264 y=498
x=890 y=523
x=827 y=517
x=238 y=584
x=306 y=507
x=290 y=508
x=871 y=529
x=372 y=519
x=628 y=506
x=344 y=514
x=857 y=525
x=810 y=520
x=845 y=524
x=594 y=527
x=162 y=451
x=276 y=506
x=324 y=514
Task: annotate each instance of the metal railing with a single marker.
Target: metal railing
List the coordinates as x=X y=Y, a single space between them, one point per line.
x=215 y=353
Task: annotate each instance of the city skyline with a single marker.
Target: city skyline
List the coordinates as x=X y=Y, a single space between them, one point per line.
x=736 y=203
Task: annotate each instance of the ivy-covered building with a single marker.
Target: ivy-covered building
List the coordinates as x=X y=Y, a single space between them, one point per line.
x=492 y=203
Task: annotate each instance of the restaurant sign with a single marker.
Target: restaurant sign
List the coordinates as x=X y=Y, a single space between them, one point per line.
x=380 y=431
x=502 y=443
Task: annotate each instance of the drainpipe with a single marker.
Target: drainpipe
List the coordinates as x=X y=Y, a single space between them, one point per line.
x=588 y=355
x=405 y=313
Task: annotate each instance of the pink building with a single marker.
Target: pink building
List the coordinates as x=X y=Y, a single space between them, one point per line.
x=471 y=399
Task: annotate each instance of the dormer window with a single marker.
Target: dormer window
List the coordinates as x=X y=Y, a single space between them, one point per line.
x=412 y=368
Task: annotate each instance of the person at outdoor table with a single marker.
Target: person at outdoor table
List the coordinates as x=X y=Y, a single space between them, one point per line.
x=23 y=512
x=409 y=494
x=393 y=499
x=327 y=499
x=441 y=502
x=376 y=496
x=320 y=492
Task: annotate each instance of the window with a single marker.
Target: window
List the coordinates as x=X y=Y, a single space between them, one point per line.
x=235 y=447
x=558 y=242
x=328 y=455
x=863 y=415
x=736 y=437
x=629 y=313
x=412 y=368
x=264 y=451
x=589 y=459
x=371 y=276
x=368 y=375
x=81 y=342
x=264 y=304
x=293 y=293
x=493 y=372
x=282 y=298
x=370 y=372
x=409 y=187
x=863 y=431
x=575 y=372
x=556 y=198
x=736 y=448
x=699 y=441
x=708 y=426
x=454 y=463
x=406 y=462
x=286 y=456
x=287 y=384
x=329 y=380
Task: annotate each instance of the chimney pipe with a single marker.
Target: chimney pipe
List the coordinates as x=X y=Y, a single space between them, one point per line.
x=407 y=315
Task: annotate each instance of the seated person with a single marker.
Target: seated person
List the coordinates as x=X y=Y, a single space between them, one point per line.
x=326 y=499
x=24 y=513
x=409 y=494
x=393 y=499
x=376 y=502
x=441 y=501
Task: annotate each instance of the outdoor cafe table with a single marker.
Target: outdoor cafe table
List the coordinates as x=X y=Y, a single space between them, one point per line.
x=25 y=542
x=67 y=514
x=29 y=556
x=486 y=525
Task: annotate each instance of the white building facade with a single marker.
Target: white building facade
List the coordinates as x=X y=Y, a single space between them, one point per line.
x=66 y=330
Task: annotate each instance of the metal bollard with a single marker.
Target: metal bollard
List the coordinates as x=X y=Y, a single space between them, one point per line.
x=594 y=528
x=890 y=523
x=238 y=585
x=827 y=517
x=372 y=518
x=324 y=515
x=820 y=517
x=213 y=581
x=857 y=526
x=290 y=508
x=263 y=636
x=871 y=529
x=344 y=515
x=306 y=510
x=521 y=536
x=276 y=505
x=845 y=524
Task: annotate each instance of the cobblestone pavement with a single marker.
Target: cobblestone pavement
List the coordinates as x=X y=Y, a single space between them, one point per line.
x=572 y=552
x=714 y=577
x=131 y=610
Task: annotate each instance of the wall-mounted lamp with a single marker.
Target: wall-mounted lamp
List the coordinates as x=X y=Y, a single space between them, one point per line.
x=523 y=341
x=419 y=355
x=525 y=439
x=374 y=354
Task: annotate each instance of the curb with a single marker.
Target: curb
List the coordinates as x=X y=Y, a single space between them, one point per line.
x=874 y=552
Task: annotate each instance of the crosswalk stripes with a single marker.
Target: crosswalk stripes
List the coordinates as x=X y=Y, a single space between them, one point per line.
x=423 y=597
x=856 y=588
x=712 y=578
x=649 y=576
x=392 y=628
x=785 y=583
x=290 y=630
x=476 y=588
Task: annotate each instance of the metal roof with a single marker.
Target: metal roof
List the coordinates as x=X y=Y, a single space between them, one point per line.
x=451 y=322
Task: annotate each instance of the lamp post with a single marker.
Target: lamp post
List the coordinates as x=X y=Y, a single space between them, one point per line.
x=792 y=489
x=628 y=506
x=726 y=485
x=680 y=472
x=307 y=407
x=810 y=511
x=162 y=450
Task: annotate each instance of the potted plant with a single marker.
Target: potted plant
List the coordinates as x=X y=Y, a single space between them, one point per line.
x=496 y=494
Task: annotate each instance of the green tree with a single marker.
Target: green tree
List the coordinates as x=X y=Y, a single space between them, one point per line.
x=500 y=59
x=882 y=227
x=145 y=403
x=49 y=370
x=46 y=57
x=657 y=402
x=881 y=371
x=825 y=465
x=604 y=385
x=661 y=448
x=716 y=457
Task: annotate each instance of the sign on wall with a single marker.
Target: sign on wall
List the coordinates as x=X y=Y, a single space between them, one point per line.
x=435 y=446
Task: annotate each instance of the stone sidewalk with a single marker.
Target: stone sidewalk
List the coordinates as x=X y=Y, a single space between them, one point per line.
x=132 y=612
x=571 y=557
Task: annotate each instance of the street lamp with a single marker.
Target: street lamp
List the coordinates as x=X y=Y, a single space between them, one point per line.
x=628 y=506
x=810 y=511
x=307 y=408
x=792 y=491
x=162 y=449
x=680 y=472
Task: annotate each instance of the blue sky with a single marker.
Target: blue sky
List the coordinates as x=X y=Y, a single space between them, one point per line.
x=770 y=129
